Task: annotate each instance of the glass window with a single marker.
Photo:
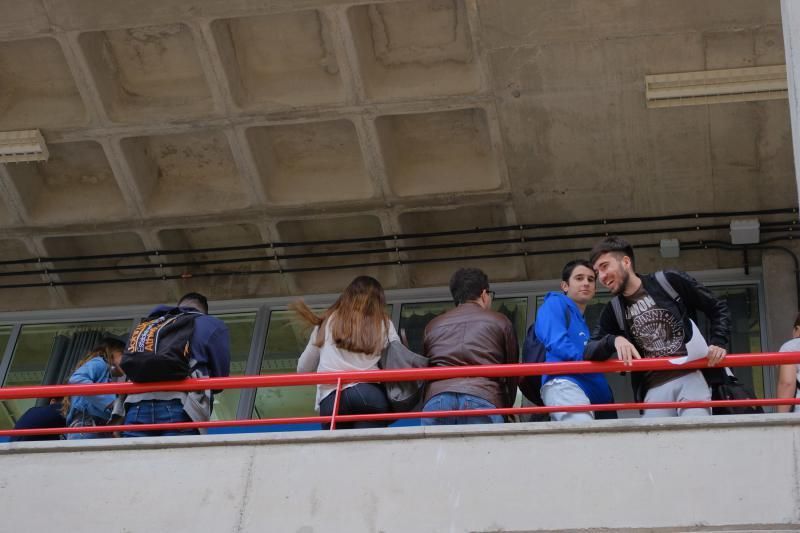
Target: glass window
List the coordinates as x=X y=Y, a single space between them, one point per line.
x=46 y=354
x=745 y=329
x=286 y=340
x=240 y=327
x=5 y=334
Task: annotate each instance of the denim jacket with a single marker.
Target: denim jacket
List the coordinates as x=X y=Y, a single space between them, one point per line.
x=96 y=370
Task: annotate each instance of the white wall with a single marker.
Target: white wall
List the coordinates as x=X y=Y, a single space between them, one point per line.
x=723 y=471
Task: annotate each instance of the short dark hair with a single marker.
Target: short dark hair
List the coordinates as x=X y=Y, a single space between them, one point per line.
x=467 y=284
x=195 y=298
x=566 y=272
x=615 y=245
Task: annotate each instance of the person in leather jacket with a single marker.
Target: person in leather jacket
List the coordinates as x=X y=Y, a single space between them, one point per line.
x=655 y=325
x=470 y=334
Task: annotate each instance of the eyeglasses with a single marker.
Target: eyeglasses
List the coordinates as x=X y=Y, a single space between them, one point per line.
x=490 y=293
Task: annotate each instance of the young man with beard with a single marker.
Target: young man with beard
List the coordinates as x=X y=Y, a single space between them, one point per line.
x=656 y=324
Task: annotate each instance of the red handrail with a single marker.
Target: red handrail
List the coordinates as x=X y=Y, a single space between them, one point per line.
x=377 y=376
x=380 y=376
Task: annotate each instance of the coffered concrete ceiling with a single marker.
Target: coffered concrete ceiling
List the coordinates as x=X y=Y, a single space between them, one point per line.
x=188 y=125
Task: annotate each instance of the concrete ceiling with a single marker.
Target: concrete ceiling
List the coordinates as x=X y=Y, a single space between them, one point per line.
x=187 y=125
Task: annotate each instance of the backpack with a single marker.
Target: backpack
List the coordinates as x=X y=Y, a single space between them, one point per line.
x=534 y=351
x=723 y=383
x=158 y=349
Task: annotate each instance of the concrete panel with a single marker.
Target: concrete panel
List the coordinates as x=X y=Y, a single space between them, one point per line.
x=75 y=185
x=429 y=274
x=746 y=48
x=81 y=14
x=112 y=294
x=37 y=87
x=444 y=152
x=512 y=23
x=228 y=287
x=629 y=475
x=23 y=18
x=738 y=134
x=22 y=298
x=323 y=228
x=147 y=73
x=280 y=60
x=408 y=49
x=186 y=173
x=310 y=162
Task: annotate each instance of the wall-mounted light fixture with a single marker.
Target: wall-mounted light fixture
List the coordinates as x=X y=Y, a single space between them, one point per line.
x=22 y=146
x=717 y=86
x=745 y=231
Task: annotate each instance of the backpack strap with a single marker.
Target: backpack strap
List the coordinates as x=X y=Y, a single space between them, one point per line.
x=616 y=305
x=662 y=280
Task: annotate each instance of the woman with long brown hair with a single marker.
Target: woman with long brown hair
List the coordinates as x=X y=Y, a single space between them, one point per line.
x=100 y=365
x=349 y=336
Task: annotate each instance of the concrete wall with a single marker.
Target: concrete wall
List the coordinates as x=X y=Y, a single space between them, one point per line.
x=721 y=473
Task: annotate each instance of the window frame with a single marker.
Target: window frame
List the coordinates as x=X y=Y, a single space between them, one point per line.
x=263 y=307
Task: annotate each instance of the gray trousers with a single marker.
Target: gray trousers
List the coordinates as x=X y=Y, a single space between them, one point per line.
x=691 y=387
x=559 y=391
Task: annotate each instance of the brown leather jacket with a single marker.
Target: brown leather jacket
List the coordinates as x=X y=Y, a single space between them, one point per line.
x=471 y=335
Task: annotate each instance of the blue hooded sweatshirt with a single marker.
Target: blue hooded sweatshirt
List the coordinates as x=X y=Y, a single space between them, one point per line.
x=566 y=343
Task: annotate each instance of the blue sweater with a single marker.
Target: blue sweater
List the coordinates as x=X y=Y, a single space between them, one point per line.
x=565 y=343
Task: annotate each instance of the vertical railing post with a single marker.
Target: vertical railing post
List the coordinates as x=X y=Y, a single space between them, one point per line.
x=336 y=403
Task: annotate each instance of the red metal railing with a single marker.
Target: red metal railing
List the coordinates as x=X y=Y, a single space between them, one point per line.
x=378 y=376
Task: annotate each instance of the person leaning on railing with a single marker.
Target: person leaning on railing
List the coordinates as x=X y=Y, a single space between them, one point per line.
x=349 y=336
x=470 y=334
x=101 y=365
x=561 y=327
x=644 y=320
x=789 y=375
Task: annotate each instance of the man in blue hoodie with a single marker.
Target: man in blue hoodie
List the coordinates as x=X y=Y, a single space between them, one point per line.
x=560 y=326
x=210 y=357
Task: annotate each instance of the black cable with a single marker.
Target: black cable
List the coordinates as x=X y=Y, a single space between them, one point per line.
x=378 y=238
x=781 y=226
x=763 y=245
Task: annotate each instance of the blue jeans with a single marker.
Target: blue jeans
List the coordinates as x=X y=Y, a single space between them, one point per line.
x=361 y=399
x=157 y=412
x=456 y=401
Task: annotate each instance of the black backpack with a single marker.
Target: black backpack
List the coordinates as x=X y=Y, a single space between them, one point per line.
x=534 y=351
x=158 y=349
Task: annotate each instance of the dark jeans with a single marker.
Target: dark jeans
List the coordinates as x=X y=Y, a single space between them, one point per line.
x=361 y=399
x=157 y=412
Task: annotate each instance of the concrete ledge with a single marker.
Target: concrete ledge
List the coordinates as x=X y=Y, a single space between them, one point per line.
x=636 y=425
x=722 y=473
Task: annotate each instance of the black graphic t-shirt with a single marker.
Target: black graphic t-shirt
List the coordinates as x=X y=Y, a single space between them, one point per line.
x=656 y=333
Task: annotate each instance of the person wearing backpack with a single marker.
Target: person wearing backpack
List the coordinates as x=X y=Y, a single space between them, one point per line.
x=562 y=331
x=187 y=331
x=789 y=375
x=652 y=316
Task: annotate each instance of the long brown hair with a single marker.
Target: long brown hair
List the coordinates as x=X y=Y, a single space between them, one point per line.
x=106 y=347
x=360 y=324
